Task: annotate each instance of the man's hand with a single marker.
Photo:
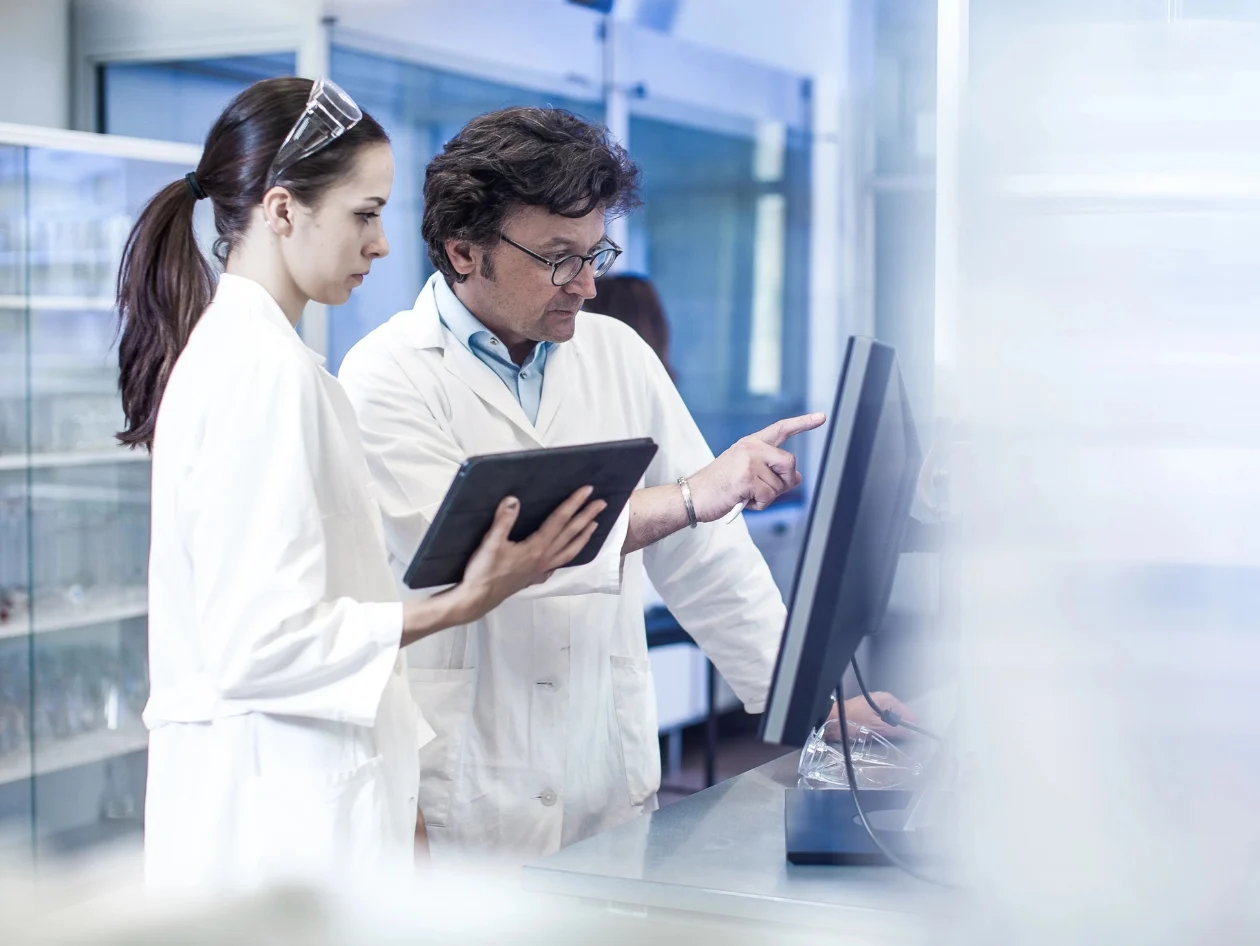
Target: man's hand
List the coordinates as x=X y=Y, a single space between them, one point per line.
x=857 y=712
x=755 y=470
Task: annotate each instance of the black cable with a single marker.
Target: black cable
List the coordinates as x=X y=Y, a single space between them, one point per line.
x=851 y=774
x=888 y=716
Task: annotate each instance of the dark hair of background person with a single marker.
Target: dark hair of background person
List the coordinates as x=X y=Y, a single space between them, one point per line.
x=520 y=157
x=633 y=299
x=165 y=282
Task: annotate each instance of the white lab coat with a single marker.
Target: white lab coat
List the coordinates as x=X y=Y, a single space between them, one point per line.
x=284 y=737
x=545 y=710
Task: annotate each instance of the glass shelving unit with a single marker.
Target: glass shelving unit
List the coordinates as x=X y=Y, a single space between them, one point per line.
x=74 y=507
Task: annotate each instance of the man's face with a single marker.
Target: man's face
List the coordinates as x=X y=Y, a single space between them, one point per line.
x=516 y=300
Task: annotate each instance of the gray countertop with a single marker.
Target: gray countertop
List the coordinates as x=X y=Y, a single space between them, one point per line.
x=721 y=853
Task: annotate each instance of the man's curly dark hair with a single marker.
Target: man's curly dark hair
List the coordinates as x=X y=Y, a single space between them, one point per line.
x=521 y=157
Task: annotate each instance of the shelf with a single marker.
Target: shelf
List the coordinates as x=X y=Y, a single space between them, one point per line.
x=82 y=142
x=21 y=461
x=75 y=256
x=42 y=390
x=41 y=493
x=70 y=493
x=75 y=751
x=99 y=606
x=58 y=303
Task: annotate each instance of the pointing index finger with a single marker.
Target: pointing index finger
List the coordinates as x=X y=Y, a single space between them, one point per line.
x=780 y=431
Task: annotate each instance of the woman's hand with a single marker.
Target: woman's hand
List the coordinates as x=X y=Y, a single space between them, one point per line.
x=500 y=567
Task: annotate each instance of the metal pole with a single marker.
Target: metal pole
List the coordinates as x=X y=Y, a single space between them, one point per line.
x=614 y=32
x=711 y=731
x=314 y=54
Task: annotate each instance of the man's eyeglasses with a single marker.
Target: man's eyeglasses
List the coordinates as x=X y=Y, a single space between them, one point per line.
x=565 y=269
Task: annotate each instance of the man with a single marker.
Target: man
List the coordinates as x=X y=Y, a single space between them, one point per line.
x=544 y=710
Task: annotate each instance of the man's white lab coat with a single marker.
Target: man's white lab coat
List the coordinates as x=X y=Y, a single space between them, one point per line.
x=544 y=710
x=283 y=736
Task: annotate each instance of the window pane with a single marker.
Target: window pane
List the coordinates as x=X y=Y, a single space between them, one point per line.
x=15 y=667
x=905 y=291
x=178 y=101
x=79 y=630
x=904 y=193
x=723 y=234
x=421 y=108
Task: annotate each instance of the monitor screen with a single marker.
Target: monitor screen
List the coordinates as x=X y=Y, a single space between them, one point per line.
x=853 y=542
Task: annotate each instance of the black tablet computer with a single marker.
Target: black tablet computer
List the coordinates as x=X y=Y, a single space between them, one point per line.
x=541 y=480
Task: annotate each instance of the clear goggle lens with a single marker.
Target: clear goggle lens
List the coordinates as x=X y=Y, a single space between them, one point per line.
x=328 y=115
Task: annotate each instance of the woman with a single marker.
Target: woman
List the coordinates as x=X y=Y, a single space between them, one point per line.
x=284 y=740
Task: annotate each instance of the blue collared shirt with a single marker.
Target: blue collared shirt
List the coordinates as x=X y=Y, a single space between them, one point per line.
x=524 y=381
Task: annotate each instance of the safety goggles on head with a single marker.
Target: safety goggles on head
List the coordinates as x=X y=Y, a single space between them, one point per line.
x=328 y=115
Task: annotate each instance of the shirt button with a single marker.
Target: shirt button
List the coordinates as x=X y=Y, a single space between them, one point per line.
x=546 y=684
x=548 y=798
x=524 y=374
x=494 y=341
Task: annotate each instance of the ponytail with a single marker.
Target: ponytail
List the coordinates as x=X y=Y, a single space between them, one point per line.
x=164 y=285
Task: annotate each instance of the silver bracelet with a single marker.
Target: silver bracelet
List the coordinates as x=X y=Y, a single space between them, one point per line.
x=686 y=494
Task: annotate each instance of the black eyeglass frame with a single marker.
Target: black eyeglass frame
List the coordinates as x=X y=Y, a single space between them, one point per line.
x=556 y=264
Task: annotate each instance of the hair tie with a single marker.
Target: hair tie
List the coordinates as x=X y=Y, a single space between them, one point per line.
x=191 y=180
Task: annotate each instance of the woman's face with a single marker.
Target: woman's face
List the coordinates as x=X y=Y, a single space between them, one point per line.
x=332 y=246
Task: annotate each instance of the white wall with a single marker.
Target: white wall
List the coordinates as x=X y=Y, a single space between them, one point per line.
x=802 y=36
x=547 y=44
x=35 y=62
x=555 y=45
x=173 y=29
x=138 y=30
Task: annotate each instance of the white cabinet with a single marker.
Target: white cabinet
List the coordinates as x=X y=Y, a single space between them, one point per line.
x=74 y=506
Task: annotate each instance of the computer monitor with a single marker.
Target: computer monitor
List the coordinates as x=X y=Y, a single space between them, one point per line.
x=856 y=527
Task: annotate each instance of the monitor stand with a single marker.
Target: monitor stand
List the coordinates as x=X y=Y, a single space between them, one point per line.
x=821 y=826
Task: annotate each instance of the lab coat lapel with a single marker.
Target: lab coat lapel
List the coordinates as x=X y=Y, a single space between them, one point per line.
x=425 y=330
x=464 y=365
x=557 y=380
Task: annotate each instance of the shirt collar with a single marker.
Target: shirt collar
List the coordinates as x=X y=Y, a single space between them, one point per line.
x=466 y=327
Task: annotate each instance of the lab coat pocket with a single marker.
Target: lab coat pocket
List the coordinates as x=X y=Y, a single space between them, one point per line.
x=317 y=827
x=635 y=702
x=445 y=698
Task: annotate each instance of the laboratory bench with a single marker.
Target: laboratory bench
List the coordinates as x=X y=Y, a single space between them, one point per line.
x=718 y=858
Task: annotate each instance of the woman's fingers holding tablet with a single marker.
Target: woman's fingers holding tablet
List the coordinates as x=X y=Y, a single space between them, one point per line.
x=571 y=520
x=549 y=532
x=501 y=567
x=578 y=542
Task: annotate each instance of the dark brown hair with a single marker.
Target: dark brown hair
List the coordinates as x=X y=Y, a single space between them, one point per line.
x=521 y=157
x=164 y=282
x=632 y=299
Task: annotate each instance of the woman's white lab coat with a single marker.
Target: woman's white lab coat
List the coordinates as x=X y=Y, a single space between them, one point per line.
x=544 y=710
x=284 y=738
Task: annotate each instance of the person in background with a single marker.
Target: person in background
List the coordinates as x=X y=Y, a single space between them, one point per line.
x=631 y=298
x=283 y=739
